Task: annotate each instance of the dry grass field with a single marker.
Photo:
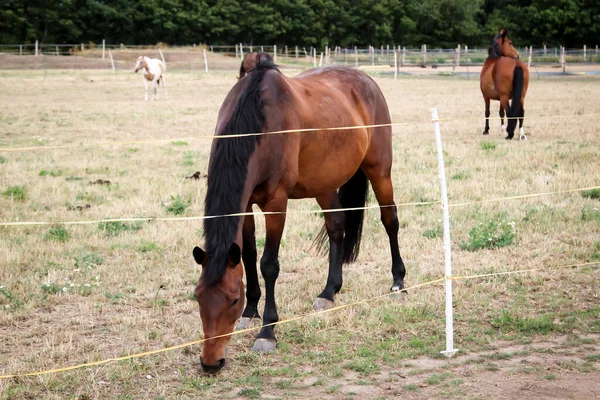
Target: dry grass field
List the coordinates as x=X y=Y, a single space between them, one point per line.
x=72 y=294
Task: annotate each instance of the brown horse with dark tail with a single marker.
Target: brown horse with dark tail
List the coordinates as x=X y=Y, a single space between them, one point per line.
x=268 y=170
x=504 y=77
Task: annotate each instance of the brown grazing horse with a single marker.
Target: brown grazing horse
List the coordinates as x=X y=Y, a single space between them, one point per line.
x=504 y=77
x=267 y=170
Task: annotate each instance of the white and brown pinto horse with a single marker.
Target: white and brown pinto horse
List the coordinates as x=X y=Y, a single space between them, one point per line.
x=154 y=72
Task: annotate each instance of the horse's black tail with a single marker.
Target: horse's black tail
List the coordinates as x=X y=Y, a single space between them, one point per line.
x=515 y=107
x=353 y=194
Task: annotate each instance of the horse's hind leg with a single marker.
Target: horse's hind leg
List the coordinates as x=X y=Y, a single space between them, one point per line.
x=505 y=105
x=487 y=116
x=252 y=287
x=521 y=130
x=381 y=182
x=334 y=224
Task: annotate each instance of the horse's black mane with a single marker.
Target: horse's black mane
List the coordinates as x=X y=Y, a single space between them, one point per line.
x=494 y=49
x=228 y=169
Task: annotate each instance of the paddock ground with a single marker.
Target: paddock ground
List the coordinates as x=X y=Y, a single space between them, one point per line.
x=72 y=294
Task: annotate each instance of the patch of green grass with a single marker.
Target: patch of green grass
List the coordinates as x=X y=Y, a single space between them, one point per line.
x=2 y=160
x=362 y=365
x=17 y=193
x=436 y=379
x=487 y=146
x=179 y=143
x=461 y=176
x=189 y=158
x=51 y=172
x=590 y=214
x=550 y=377
x=507 y=322
x=58 y=234
x=115 y=228
x=592 y=358
x=596 y=252
x=73 y=178
x=494 y=232
x=591 y=194
x=333 y=389
x=133 y=150
x=491 y=367
x=147 y=247
x=411 y=387
x=177 y=205
x=89 y=260
x=433 y=233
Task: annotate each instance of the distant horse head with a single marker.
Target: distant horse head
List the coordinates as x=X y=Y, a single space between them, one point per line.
x=141 y=63
x=224 y=302
x=251 y=60
x=502 y=46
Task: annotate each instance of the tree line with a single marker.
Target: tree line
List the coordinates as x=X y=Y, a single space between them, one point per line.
x=319 y=23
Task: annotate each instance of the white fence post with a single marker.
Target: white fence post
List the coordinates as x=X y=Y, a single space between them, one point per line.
x=563 y=59
x=584 y=53
x=321 y=60
x=315 y=57
x=356 y=56
x=103 y=49
x=395 y=65
x=112 y=62
x=403 y=56
x=425 y=54
x=205 y=62
x=450 y=350
x=236 y=51
x=274 y=53
x=530 y=54
x=20 y=50
x=241 y=52
x=36 y=47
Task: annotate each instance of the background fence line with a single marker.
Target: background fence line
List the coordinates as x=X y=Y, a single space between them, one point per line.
x=191 y=58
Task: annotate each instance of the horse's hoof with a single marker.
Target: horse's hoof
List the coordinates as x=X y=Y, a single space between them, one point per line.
x=486 y=132
x=523 y=137
x=398 y=292
x=264 y=345
x=508 y=138
x=322 y=304
x=244 y=323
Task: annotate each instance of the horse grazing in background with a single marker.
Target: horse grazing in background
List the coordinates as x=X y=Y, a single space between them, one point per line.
x=504 y=77
x=154 y=72
x=268 y=170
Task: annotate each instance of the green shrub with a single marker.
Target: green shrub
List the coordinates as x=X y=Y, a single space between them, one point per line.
x=58 y=234
x=177 y=205
x=486 y=145
x=491 y=233
x=17 y=193
x=591 y=194
x=114 y=228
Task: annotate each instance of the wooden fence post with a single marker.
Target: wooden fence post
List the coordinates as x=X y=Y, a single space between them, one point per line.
x=103 y=49
x=36 y=47
x=21 y=50
x=530 y=55
x=425 y=54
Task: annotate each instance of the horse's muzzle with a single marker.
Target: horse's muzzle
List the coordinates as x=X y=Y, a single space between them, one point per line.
x=212 y=369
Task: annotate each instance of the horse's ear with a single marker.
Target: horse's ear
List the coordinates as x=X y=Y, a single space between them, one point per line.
x=503 y=33
x=242 y=71
x=199 y=255
x=235 y=255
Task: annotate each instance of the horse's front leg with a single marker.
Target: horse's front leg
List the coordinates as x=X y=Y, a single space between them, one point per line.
x=334 y=224
x=269 y=267
x=155 y=87
x=252 y=286
x=145 y=89
x=487 y=116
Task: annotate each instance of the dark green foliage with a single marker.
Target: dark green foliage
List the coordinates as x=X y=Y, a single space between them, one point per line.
x=411 y=23
x=592 y=194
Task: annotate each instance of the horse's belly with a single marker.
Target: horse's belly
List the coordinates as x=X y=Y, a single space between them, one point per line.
x=326 y=168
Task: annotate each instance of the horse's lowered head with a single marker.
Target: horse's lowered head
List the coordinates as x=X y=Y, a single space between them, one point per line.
x=140 y=63
x=502 y=46
x=221 y=304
